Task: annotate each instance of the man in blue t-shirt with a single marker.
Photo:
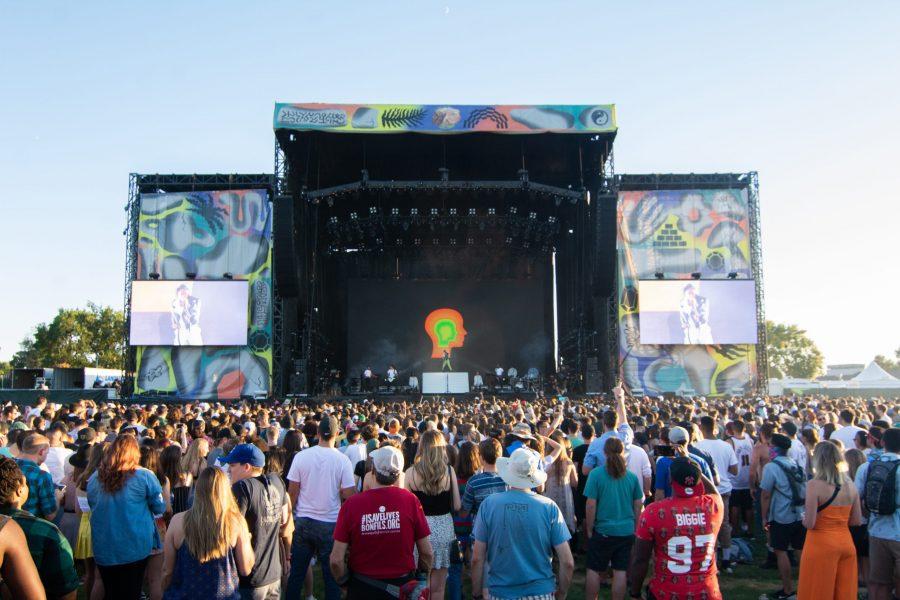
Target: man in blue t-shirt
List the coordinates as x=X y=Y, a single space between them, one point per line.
x=615 y=424
x=517 y=532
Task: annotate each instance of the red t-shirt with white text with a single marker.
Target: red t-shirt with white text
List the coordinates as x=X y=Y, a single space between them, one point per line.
x=381 y=526
x=683 y=532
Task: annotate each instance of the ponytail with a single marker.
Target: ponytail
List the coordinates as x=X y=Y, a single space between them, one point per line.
x=614 y=450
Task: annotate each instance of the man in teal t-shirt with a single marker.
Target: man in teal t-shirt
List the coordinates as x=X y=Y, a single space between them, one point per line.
x=614 y=503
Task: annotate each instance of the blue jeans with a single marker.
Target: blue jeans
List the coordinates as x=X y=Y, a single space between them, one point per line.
x=311 y=538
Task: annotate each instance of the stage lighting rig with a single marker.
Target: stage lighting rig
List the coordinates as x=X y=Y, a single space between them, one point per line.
x=414 y=212
x=395 y=212
x=472 y=212
x=732 y=275
x=659 y=275
x=154 y=276
x=191 y=275
x=695 y=275
x=492 y=212
x=354 y=216
x=228 y=276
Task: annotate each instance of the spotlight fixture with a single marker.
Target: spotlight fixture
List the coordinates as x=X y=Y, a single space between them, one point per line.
x=513 y=210
x=434 y=212
x=552 y=219
x=398 y=241
x=154 y=276
x=659 y=275
x=489 y=241
x=509 y=240
x=452 y=241
x=191 y=275
x=373 y=210
x=435 y=241
x=471 y=212
x=354 y=216
x=453 y=211
x=418 y=241
x=732 y=275
x=333 y=220
x=227 y=276
x=470 y=241
x=492 y=211
x=414 y=212
x=532 y=215
x=395 y=212
x=695 y=275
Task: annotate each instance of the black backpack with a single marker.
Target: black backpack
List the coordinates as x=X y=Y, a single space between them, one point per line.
x=880 y=496
x=796 y=479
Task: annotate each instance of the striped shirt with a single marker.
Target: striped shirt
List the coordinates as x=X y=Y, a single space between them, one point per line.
x=479 y=487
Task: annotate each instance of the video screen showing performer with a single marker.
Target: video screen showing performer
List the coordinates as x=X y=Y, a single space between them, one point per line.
x=694 y=316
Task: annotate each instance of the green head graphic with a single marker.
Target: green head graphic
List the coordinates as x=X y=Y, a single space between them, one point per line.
x=445 y=328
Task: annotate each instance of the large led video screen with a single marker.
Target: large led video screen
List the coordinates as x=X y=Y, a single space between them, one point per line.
x=427 y=326
x=189 y=313
x=691 y=312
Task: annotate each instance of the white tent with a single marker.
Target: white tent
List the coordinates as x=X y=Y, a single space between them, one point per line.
x=874 y=376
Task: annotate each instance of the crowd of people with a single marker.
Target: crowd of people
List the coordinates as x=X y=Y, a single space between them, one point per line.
x=481 y=497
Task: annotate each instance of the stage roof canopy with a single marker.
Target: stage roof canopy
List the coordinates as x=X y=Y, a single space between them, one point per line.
x=446 y=118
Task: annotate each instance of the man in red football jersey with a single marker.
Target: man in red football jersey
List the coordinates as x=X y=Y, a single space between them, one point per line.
x=681 y=531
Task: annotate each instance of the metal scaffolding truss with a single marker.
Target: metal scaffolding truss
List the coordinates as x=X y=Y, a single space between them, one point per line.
x=280 y=181
x=676 y=181
x=756 y=264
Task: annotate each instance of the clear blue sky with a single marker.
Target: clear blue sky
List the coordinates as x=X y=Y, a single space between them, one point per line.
x=807 y=93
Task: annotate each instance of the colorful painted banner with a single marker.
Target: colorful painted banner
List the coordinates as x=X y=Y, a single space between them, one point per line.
x=677 y=233
x=209 y=234
x=446 y=118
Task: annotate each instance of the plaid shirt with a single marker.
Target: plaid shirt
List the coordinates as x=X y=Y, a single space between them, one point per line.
x=50 y=551
x=41 y=493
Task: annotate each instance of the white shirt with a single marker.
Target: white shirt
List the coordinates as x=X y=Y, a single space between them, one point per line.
x=498 y=371
x=322 y=473
x=797 y=453
x=355 y=452
x=57 y=459
x=367 y=373
x=637 y=461
x=845 y=435
x=723 y=456
x=392 y=374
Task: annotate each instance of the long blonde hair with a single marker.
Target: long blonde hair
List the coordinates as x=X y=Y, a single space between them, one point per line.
x=214 y=518
x=192 y=461
x=431 y=463
x=828 y=463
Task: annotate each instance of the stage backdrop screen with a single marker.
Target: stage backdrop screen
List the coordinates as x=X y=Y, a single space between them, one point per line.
x=478 y=324
x=706 y=312
x=189 y=313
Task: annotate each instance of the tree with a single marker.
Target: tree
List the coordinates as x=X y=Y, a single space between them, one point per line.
x=891 y=366
x=76 y=337
x=791 y=352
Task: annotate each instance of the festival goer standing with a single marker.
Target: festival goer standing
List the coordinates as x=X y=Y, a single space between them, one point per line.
x=680 y=533
x=49 y=548
x=517 y=532
x=379 y=529
x=433 y=481
x=614 y=501
x=848 y=428
x=615 y=424
x=726 y=461
x=828 y=564
x=741 y=500
x=678 y=438
x=782 y=503
x=882 y=504
x=468 y=462
x=263 y=501
x=123 y=498
x=16 y=566
x=319 y=478
x=562 y=480
x=43 y=499
x=208 y=546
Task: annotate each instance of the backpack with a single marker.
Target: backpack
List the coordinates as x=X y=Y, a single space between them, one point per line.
x=797 y=481
x=880 y=497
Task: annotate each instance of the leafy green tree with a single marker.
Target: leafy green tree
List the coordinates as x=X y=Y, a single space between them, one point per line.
x=76 y=337
x=791 y=352
x=891 y=366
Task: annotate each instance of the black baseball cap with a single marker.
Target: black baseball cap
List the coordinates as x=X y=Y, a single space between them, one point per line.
x=328 y=427
x=685 y=475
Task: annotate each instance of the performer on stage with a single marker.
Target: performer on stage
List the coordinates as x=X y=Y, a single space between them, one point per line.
x=391 y=374
x=368 y=377
x=445 y=364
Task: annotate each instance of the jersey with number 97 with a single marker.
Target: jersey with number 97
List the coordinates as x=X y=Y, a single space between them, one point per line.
x=683 y=532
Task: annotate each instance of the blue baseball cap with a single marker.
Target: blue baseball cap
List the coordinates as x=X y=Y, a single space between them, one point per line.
x=246 y=454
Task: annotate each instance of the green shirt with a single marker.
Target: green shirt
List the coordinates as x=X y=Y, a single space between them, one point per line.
x=50 y=551
x=615 y=501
